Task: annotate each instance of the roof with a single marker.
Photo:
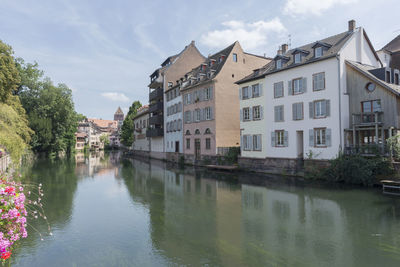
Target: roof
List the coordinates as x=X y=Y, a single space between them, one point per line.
x=336 y=42
x=394 y=45
x=82 y=135
x=104 y=123
x=212 y=68
x=119 y=111
x=365 y=70
x=143 y=110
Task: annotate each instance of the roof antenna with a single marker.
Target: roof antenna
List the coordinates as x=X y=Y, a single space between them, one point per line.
x=290 y=41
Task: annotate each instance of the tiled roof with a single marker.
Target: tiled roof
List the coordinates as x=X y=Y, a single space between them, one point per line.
x=394 y=45
x=214 y=68
x=81 y=135
x=104 y=123
x=365 y=70
x=335 y=42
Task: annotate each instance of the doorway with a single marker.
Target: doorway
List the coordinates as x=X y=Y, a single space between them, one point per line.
x=197 y=148
x=300 y=144
x=177 y=146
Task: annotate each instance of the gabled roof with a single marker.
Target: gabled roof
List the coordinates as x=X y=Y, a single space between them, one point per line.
x=119 y=111
x=393 y=46
x=365 y=70
x=336 y=42
x=215 y=68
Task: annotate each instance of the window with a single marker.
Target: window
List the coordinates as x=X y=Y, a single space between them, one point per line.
x=319 y=81
x=321 y=108
x=388 y=76
x=279 y=116
x=279 y=64
x=207 y=93
x=245 y=92
x=297 y=109
x=197 y=131
x=234 y=57
x=208 y=143
x=188 y=115
x=257 y=142
x=297 y=58
x=208 y=113
x=198 y=115
x=246 y=114
x=255 y=90
x=278 y=89
x=297 y=86
x=320 y=137
x=256 y=113
x=318 y=52
x=247 y=142
x=279 y=138
x=187 y=132
x=207 y=131
x=187 y=143
x=371 y=106
x=396 y=78
x=169 y=84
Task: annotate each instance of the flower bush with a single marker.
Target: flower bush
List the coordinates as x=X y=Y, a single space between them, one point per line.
x=13 y=215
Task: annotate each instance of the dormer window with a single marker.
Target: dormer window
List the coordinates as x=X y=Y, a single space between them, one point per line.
x=279 y=64
x=318 y=51
x=297 y=58
x=169 y=84
x=222 y=57
x=203 y=67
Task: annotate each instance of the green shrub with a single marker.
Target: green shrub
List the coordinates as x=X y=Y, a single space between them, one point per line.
x=232 y=156
x=181 y=162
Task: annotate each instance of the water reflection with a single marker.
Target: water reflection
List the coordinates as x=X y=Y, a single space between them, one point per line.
x=158 y=215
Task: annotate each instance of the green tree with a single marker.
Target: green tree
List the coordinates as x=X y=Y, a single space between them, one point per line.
x=9 y=75
x=127 y=126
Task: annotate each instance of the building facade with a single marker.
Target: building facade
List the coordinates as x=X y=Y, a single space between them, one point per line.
x=140 y=125
x=160 y=80
x=173 y=120
x=210 y=101
x=305 y=110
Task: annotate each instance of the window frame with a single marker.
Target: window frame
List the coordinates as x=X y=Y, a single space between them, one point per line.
x=282 y=113
x=187 y=143
x=297 y=58
x=318 y=48
x=317 y=134
x=300 y=83
x=277 y=134
x=245 y=89
x=254 y=86
x=256 y=118
x=278 y=64
x=313 y=81
x=244 y=114
x=208 y=143
x=259 y=148
x=282 y=89
x=234 y=57
x=315 y=109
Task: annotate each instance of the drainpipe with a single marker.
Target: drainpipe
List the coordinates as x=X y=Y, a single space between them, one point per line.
x=340 y=104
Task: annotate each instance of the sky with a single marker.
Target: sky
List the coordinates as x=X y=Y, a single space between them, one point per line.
x=106 y=50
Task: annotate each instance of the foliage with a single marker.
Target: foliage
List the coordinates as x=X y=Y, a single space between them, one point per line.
x=50 y=110
x=9 y=75
x=394 y=145
x=181 y=162
x=355 y=169
x=104 y=139
x=127 y=126
x=232 y=156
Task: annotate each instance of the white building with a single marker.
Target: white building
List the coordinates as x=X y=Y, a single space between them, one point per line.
x=140 y=125
x=303 y=104
x=173 y=120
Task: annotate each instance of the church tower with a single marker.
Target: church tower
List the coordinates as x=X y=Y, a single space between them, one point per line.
x=119 y=115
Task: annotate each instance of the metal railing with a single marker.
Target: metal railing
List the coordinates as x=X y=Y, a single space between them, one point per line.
x=368 y=118
x=368 y=149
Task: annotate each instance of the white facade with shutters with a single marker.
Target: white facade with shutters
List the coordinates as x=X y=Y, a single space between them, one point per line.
x=173 y=121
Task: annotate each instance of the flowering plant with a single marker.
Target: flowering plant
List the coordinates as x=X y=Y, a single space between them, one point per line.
x=13 y=215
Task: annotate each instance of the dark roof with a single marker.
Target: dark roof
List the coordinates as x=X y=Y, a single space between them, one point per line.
x=214 y=69
x=335 y=42
x=365 y=70
x=394 y=45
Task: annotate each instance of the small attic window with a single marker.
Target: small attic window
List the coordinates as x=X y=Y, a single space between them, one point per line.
x=234 y=56
x=279 y=64
x=318 y=52
x=221 y=58
x=297 y=58
x=169 y=84
x=203 y=67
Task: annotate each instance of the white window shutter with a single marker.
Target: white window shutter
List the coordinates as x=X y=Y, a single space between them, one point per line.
x=211 y=93
x=328 y=137
x=261 y=112
x=290 y=91
x=276 y=114
x=241 y=142
x=260 y=86
x=294 y=111
x=259 y=142
x=328 y=107
x=272 y=139
x=304 y=85
x=250 y=141
x=286 y=138
x=250 y=91
x=311 y=109
x=240 y=93
x=250 y=113
x=311 y=138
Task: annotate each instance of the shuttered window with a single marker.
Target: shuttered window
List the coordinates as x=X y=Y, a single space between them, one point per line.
x=278 y=89
x=257 y=113
x=319 y=81
x=257 y=142
x=247 y=142
x=255 y=90
x=245 y=92
x=320 y=109
x=320 y=137
x=246 y=114
x=297 y=110
x=280 y=138
x=279 y=116
x=297 y=86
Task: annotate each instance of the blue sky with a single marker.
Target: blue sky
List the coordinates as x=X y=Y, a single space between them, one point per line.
x=106 y=50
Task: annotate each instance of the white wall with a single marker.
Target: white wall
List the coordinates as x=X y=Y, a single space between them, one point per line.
x=177 y=135
x=141 y=144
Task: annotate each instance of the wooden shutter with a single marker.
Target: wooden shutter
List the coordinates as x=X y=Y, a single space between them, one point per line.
x=286 y=138
x=328 y=107
x=311 y=138
x=328 y=137
x=290 y=91
x=304 y=85
x=272 y=139
x=311 y=109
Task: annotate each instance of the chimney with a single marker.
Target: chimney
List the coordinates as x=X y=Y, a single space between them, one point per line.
x=352 y=25
x=284 y=48
x=192 y=42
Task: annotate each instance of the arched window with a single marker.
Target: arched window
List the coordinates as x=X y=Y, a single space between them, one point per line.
x=197 y=131
x=187 y=132
x=207 y=131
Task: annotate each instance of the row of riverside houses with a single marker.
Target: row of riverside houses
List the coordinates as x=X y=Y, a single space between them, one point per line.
x=319 y=99
x=311 y=102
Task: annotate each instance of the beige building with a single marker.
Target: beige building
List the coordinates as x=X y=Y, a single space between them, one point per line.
x=140 y=124
x=211 y=101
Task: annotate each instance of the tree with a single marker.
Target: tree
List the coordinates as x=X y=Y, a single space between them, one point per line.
x=127 y=126
x=9 y=75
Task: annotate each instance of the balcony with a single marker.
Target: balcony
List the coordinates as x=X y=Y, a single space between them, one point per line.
x=156 y=107
x=154 y=132
x=156 y=80
x=156 y=94
x=368 y=119
x=157 y=119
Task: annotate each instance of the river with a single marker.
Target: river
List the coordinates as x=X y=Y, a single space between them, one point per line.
x=105 y=210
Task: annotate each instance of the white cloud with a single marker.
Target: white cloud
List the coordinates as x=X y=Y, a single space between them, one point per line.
x=314 y=7
x=250 y=35
x=113 y=96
